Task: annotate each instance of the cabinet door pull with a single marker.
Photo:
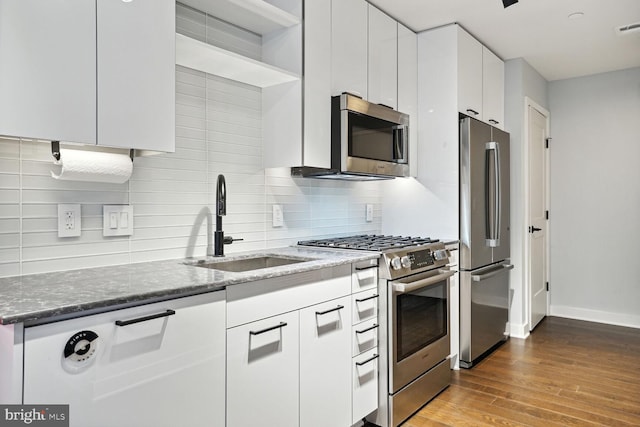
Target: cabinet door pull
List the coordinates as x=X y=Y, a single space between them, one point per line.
x=262 y=331
x=474 y=112
x=371 y=359
x=320 y=313
x=145 y=318
x=366 y=268
x=495 y=122
x=367 y=298
x=375 y=325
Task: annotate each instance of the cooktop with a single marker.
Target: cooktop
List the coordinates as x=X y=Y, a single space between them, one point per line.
x=369 y=242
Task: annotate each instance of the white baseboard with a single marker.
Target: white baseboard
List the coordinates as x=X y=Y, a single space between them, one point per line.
x=619 y=319
x=519 y=330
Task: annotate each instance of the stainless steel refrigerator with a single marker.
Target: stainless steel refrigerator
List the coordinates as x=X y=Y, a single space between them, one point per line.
x=484 y=239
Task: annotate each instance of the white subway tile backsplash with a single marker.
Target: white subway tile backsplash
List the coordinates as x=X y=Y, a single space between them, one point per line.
x=63 y=264
x=218 y=130
x=9 y=196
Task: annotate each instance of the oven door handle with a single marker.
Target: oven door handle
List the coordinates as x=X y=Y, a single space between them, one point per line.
x=501 y=269
x=403 y=288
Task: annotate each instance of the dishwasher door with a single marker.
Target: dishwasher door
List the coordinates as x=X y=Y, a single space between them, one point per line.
x=484 y=310
x=157 y=365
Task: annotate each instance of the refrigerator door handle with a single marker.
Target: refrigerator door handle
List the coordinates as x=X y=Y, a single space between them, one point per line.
x=502 y=269
x=493 y=239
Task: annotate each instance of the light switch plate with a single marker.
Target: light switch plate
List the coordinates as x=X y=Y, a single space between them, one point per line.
x=69 y=220
x=278 y=216
x=117 y=220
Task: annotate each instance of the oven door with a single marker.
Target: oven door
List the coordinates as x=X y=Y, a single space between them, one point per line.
x=419 y=325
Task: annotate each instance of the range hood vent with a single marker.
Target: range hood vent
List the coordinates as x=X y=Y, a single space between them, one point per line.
x=319 y=173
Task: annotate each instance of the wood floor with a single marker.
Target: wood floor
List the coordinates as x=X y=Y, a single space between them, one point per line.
x=567 y=373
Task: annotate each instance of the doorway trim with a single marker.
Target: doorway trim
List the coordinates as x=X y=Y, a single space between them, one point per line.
x=528 y=102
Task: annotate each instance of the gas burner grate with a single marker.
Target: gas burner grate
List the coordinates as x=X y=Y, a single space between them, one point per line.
x=368 y=242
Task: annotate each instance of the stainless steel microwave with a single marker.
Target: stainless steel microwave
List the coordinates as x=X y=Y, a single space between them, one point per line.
x=368 y=141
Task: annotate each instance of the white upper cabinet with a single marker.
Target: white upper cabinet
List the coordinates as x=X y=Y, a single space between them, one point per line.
x=316 y=145
x=48 y=69
x=480 y=80
x=492 y=89
x=382 y=59
x=89 y=72
x=408 y=88
x=349 y=47
x=136 y=74
x=469 y=75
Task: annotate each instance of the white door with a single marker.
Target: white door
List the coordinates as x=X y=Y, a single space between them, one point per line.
x=537 y=215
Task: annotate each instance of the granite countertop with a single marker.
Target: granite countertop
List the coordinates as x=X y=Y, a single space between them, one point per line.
x=36 y=297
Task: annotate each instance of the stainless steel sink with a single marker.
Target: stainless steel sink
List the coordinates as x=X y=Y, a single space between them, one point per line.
x=248 y=264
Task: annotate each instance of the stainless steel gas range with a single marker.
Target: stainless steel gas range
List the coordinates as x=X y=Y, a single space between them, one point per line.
x=413 y=339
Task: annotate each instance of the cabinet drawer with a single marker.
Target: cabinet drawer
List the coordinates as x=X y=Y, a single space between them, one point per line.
x=251 y=301
x=364 y=275
x=365 y=384
x=364 y=336
x=365 y=306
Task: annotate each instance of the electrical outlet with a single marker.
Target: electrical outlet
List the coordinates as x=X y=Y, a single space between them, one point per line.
x=278 y=216
x=69 y=220
x=369 y=212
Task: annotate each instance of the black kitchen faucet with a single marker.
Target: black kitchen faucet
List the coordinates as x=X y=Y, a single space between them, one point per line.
x=221 y=210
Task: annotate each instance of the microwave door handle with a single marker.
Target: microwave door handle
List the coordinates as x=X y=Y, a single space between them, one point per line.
x=403 y=288
x=400 y=144
x=493 y=209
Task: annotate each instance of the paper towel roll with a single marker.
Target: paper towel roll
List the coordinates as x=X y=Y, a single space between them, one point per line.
x=79 y=165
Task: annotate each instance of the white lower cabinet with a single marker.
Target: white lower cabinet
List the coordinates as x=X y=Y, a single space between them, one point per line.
x=262 y=372
x=290 y=352
x=325 y=369
x=157 y=365
x=364 y=340
x=365 y=384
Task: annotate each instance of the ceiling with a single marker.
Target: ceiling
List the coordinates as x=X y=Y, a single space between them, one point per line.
x=539 y=31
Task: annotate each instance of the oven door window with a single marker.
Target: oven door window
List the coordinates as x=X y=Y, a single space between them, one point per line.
x=376 y=139
x=421 y=318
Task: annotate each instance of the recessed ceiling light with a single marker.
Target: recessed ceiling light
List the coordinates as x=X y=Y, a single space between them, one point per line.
x=576 y=15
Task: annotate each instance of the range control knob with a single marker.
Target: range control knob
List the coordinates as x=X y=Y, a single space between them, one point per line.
x=395 y=263
x=405 y=261
x=440 y=254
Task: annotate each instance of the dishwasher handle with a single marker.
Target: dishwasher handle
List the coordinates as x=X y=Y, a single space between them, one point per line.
x=145 y=318
x=502 y=269
x=403 y=288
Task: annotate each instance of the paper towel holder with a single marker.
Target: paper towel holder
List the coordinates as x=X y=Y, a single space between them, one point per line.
x=55 y=150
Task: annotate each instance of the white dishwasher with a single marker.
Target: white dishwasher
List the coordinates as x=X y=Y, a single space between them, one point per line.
x=156 y=365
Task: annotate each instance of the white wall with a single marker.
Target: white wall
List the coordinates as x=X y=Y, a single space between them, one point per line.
x=218 y=130
x=521 y=80
x=595 y=197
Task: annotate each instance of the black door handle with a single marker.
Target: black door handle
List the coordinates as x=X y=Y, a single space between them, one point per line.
x=533 y=229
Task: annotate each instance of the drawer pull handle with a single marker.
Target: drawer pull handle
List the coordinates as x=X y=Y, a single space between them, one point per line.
x=375 y=325
x=320 y=313
x=366 y=268
x=371 y=359
x=145 y=318
x=367 y=298
x=262 y=331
